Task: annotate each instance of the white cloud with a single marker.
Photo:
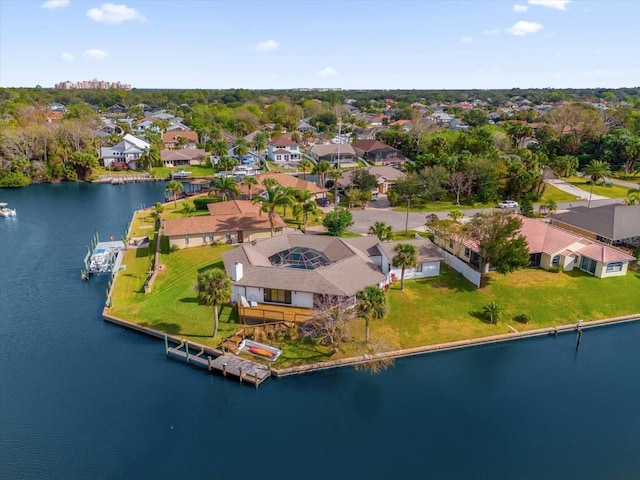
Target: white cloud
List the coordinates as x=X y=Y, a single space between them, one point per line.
x=112 y=14
x=51 y=4
x=557 y=4
x=95 y=53
x=492 y=31
x=520 y=8
x=327 y=72
x=266 y=46
x=67 y=57
x=467 y=40
x=523 y=28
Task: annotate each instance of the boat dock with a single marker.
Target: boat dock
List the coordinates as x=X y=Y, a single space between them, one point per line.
x=226 y=364
x=102 y=257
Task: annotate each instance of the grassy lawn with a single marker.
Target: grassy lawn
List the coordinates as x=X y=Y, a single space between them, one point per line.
x=628 y=178
x=611 y=191
x=555 y=194
x=440 y=206
x=427 y=311
x=196 y=171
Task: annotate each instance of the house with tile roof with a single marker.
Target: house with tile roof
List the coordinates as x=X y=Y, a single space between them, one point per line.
x=615 y=224
x=283 y=150
x=385 y=176
x=234 y=221
x=171 y=139
x=550 y=246
x=184 y=157
x=283 y=179
x=297 y=270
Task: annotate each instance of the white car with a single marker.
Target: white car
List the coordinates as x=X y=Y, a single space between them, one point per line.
x=508 y=204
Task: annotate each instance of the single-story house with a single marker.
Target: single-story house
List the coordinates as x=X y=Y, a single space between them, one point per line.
x=235 y=221
x=615 y=224
x=300 y=270
x=344 y=154
x=385 y=176
x=550 y=246
x=376 y=152
x=184 y=157
x=283 y=179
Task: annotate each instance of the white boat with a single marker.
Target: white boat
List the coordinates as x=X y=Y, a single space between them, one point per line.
x=6 y=211
x=180 y=174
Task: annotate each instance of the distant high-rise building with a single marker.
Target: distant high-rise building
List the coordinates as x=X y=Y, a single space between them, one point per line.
x=94 y=84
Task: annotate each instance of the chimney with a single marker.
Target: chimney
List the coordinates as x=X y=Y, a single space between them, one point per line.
x=236 y=271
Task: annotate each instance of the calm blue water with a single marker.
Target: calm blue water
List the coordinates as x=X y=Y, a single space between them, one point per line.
x=84 y=399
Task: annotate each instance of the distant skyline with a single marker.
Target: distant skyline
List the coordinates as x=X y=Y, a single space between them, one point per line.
x=322 y=44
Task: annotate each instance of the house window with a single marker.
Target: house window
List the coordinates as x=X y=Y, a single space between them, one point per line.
x=273 y=295
x=534 y=259
x=419 y=267
x=588 y=265
x=614 y=267
x=467 y=252
x=555 y=261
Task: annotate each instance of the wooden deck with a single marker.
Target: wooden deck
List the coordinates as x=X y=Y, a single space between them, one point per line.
x=266 y=313
x=228 y=365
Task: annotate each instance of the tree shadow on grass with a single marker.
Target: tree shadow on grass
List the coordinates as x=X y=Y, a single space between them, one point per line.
x=481 y=316
x=189 y=300
x=170 y=328
x=217 y=264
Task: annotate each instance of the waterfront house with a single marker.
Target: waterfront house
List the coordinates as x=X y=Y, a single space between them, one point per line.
x=297 y=270
x=172 y=138
x=283 y=179
x=283 y=150
x=184 y=157
x=127 y=151
x=550 y=247
x=235 y=221
x=342 y=154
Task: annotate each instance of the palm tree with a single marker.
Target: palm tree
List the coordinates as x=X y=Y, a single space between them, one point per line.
x=275 y=196
x=174 y=186
x=260 y=142
x=214 y=288
x=455 y=215
x=406 y=257
x=227 y=163
x=242 y=147
x=321 y=168
x=596 y=170
x=308 y=136
x=381 y=230
x=492 y=312
x=371 y=305
x=550 y=206
x=295 y=137
x=220 y=148
x=305 y=166
x=250 y=181
x=633 y=197
x=335 y=175
x=224 y=186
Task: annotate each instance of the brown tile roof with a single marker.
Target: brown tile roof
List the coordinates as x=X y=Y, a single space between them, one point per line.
x=171 y=137
x=604 y=254
x=283 y=141
x=182 y=154
x=284 y=179
x=371 y=145
x=223 y=216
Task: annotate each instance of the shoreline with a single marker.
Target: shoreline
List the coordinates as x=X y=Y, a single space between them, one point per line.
x=393 y=354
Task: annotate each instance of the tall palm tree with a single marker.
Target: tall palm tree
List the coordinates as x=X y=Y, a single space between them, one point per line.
x=260 y=142
x=214 y=289
x=335 y=175
x=321 y=168
x=242 y=147
x=250 y=181
x=596 y=170
x=220 y=148
x=406 y=257
x=308 y=136
x=275 y=196
x=371 y=305
x=174 y=186
x=305 y=166
x=224 y=186
x=381 y=230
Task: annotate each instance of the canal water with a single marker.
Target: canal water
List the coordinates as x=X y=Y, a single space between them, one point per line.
x=84 y=399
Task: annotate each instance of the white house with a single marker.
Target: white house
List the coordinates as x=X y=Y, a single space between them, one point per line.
x=283 y=150
x=128 y=150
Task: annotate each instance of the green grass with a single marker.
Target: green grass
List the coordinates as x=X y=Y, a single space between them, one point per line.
x=628 y=178
x=610 y=191
x=427 y=311
x=555 y=194
x=196 y=171
x=441 y=206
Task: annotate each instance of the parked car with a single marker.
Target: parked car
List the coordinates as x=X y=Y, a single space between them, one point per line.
x=374 y=195
x=508 y=204
x=323 y=202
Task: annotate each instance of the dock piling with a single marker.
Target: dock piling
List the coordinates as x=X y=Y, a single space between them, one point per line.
x=166 y=344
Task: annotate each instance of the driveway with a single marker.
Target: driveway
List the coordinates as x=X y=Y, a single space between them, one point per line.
x=573 y=190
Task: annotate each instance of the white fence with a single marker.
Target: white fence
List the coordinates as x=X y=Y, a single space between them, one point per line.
x=459 y=266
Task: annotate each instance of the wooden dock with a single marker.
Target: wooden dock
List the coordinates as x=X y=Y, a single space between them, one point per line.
x=228 y=365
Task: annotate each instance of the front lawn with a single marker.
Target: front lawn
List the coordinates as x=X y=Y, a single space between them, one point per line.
x=555 y=194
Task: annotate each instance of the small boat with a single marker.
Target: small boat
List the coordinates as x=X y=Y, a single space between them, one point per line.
x=5 y=211
x=261 y=351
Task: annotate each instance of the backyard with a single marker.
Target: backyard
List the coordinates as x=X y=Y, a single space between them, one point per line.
x=427 y=311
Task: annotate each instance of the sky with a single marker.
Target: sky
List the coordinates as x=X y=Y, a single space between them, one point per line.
x=348 y=44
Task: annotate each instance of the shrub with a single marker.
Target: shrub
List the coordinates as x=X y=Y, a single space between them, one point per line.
x=201 y=203
x=174 y=248
x=522 y=318
x=555 y=269
x=492 y=312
